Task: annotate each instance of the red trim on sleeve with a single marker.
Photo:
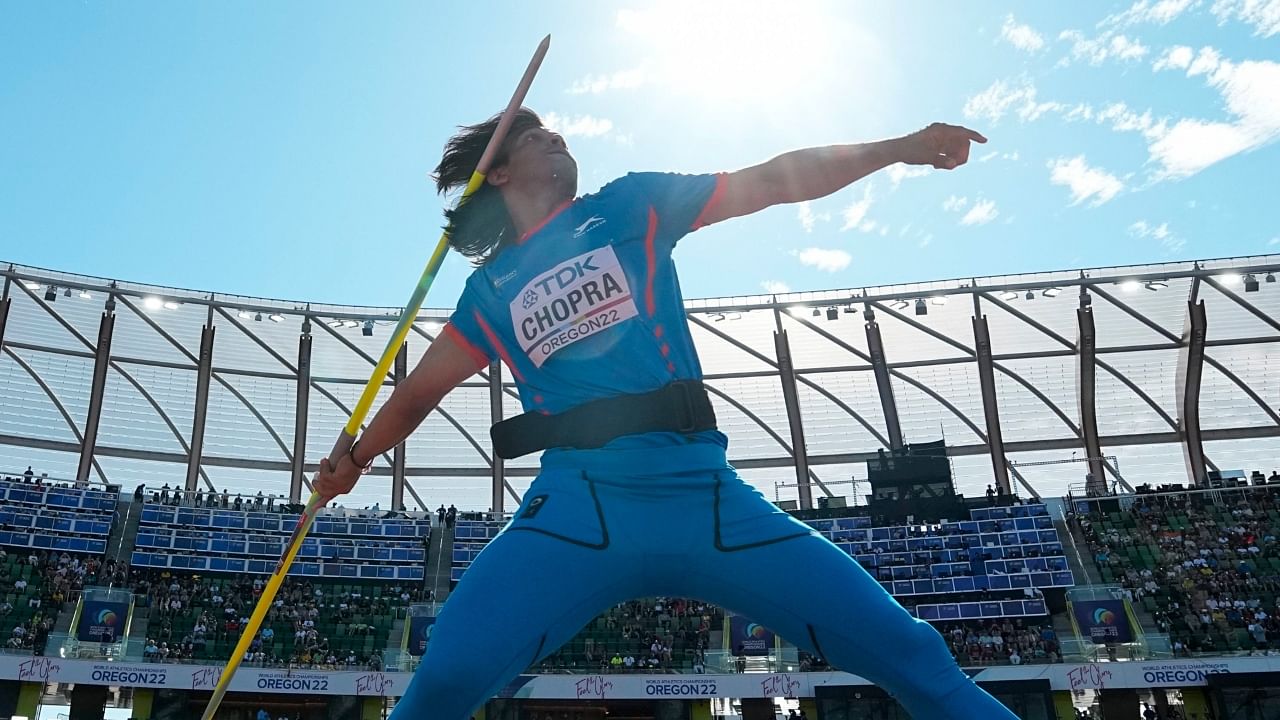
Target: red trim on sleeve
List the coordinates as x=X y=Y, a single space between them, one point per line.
x=497 y=345
x=650 y=262
x=479 y=356
x=716 y=196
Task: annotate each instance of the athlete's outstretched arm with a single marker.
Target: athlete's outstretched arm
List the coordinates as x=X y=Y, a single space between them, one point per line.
x=443 y=366
x=817 y=172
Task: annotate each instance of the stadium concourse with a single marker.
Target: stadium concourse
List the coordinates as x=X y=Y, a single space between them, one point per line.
x=1071 y=475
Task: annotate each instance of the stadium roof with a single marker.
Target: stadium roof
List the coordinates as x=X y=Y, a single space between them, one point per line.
x=1141 y=315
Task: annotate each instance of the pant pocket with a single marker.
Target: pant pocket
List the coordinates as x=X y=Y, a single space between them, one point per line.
x=564 y=505
x=744 y=519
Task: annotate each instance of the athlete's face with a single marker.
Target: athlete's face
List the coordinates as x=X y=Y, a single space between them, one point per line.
x=539 y=156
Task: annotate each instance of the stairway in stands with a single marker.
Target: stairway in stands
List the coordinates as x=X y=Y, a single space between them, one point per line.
x=439 y=562
x=124 y=531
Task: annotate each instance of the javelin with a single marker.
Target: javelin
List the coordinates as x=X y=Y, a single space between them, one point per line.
x=348 y=435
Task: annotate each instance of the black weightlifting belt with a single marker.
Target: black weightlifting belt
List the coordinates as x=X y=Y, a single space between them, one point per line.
x=682 y=407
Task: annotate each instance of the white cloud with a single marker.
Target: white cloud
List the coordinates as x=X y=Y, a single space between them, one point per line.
x=867 y=226
x=1023 y=37
x=1177 y=57
x=1263 y=15
x=1251 y=93
x=1003 y=97
x=924 y=241
x=1161 y=233
x=1123 y=119
x=900 y=172
x=804 y=213
x=1160 y=12
x=595 y=84
x=824 y=259
x=1085 y=182
x=988 y=156
x=954 y=203
x=775 y=287
x=856 y=211
x=982 y=212
x=577 y=125
x=1108 y=45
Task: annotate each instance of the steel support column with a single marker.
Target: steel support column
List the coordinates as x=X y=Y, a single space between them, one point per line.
x=398 y=457
x=101 y=363
x=1190 y=373
x=1086 y=395
x=301 y=407
x=990 y=403
x=790 y=397
x=879 y=366
x=203 y=372
x=495 y=416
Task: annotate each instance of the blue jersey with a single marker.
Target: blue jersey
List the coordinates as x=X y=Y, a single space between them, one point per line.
x=587 y=305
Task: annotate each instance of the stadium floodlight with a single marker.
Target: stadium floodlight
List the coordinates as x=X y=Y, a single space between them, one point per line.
x=51 y=294
x=900 y=305
x=938 y=300
x=1250 y=283
x=84 y=294
x=1008 y=295
x=66 y=293
x=850 y=309
x=833 y=313
x=1052 y=292
x=275 y=317
x=1271 y=278
x=257 y=317
x=1130 y=285
x=151 y=302
x=367 y=330
x=171 y=305
x=1156 y=285
x=817 y=312
x=32 y=285
x=244 y=315
x=1031 y=295
x=921 y=307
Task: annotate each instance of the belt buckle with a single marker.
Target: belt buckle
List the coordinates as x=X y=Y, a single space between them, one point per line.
x=689 y=422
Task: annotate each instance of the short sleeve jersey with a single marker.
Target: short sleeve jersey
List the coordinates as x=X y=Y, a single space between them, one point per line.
x=587 y=305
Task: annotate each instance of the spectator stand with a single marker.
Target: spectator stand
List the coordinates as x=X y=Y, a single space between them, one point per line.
x=62 y=518
x=251 y=541
x=1204 y=562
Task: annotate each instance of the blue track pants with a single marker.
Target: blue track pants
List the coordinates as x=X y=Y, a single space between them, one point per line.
x=586 y=539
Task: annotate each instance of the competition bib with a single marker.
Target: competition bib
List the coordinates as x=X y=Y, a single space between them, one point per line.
x=574 y=300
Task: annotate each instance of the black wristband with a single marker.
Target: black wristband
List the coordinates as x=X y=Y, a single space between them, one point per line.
x=365 y=468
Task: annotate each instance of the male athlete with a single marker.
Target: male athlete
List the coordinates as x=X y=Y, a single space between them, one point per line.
x=578 y=297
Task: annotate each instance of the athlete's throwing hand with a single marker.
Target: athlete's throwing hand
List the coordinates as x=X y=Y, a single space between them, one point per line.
x=943 y=146
x=333 y=481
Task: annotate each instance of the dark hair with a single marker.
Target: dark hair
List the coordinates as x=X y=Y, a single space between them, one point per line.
x=481 y=227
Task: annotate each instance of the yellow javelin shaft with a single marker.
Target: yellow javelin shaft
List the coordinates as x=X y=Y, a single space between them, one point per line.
x=361 y=410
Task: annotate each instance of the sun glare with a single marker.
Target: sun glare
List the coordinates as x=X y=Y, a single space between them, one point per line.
x=734 y=50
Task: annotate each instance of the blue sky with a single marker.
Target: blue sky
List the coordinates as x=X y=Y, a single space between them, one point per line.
x=282 y=149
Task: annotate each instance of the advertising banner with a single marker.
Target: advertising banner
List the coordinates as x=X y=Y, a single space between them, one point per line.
x=420 y=634
x=1103 y=621
x=748 y=638
x=101 y=621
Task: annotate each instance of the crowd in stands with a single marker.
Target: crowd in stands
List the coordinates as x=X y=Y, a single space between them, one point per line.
x=177 y=497
x=35 y=584
x=1206 y=565
x=1001 y=642
x=649 y=635
x=310 y=625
